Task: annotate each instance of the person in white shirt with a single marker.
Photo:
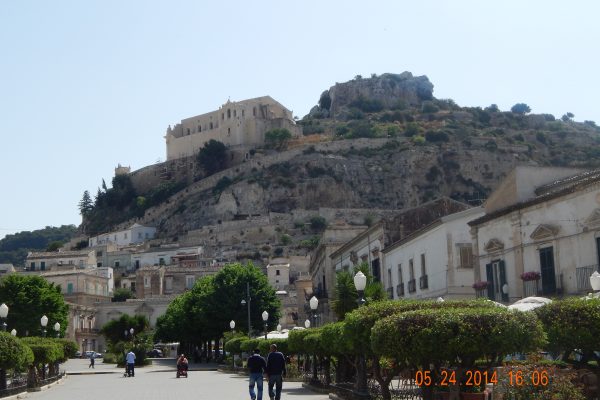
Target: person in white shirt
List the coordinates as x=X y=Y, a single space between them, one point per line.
x=130 y=359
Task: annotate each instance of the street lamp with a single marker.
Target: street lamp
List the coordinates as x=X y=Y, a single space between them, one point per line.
x=13 y=332
x=246 y=301
x=360 y=282
x=232 y=326
x=278 y=327
x=265 y=317
x=131 y=330
x=3 y=315
x=57 y=329
x=44 y=322
x=307 y=324
x=314 y=304
x=595 y=281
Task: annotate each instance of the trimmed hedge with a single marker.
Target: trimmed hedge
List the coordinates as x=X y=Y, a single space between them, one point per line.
x=45 y=350
x=359 y=322
x=444 y=336
x=233 y=346
x=282 y=345
x=332 y=337
x=572 y=324
x=296 y=341
x=14 y=354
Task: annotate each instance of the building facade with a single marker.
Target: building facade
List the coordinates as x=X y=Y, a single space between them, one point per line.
x=436 y=261
x=241 y=123
x=57 y=260
x=135 y=234
x=548 y=244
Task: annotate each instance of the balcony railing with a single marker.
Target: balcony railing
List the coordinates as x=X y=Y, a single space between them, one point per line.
x=423 y=284
x=412 y=286
x=87 y=330
x=400 y=289
x=583 y=277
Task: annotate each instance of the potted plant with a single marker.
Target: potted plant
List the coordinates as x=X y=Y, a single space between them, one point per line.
x=530 y=276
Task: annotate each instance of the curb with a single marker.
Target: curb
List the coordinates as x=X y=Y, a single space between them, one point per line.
x=39 y=389
x=93 y=372
x=17 y=396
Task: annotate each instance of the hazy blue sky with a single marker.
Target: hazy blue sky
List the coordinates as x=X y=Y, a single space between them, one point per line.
x=86 y=85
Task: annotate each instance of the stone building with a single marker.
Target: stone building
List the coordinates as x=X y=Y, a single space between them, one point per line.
x=241 y=123
x=136 y=233
x=544 y=241
x=57 y=260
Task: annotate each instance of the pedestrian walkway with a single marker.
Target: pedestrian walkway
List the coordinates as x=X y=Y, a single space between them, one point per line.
x=77 y=366
x=150 y=383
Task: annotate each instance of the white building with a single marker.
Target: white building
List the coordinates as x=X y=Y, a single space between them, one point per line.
x=278 y=273
x=136 y=233
x=56 y=260
x=163 y=256
x=553 y=234
x=434 y=261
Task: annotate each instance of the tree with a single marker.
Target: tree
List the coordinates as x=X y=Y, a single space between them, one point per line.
x=520 y=108
x=278 y=138
x=114 y=330
x=85 y=204
x=30 y=297
x=212 y=157
x=54 y=246
x=13 y=355
x=568 y=117
x=325 y=100
x=318 y=224
x=122 y=294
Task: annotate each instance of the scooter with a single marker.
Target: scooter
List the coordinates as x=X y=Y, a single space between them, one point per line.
x=182 y=371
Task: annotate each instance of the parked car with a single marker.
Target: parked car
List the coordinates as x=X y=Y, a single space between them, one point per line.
x=154 y=353
x=77 y=354
x=89 y=353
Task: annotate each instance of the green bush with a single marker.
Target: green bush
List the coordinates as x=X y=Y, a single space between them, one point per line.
x=572 y=324
x=318 y=223
x=264 y=345
x=14 y=354
x=248 y=345
x=234 y=345
x=441 y=337
x=436 y=136
x=367 y=105
x=222 y=184
x=69 y=348
x=296 y=341
x=411 y=129
x=45 y=350
x=429 y=107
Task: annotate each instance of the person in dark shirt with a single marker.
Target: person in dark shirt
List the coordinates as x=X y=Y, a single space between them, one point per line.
x=257 y=366
x=275 y=372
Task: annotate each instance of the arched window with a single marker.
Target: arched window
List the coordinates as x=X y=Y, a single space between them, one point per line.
x=228 y=114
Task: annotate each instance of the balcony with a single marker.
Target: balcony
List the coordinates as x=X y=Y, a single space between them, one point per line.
x=423 y=284
x=88 y=331
x=412 y=286
x=582 y=275
x=400 y=289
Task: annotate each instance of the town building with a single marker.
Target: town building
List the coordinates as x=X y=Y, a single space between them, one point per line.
x=241 y=123
x=546 y=241
x=435 y=261
x=136 y=233
x=57 y=260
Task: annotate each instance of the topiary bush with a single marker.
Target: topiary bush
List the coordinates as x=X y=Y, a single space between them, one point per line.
x=572 y=324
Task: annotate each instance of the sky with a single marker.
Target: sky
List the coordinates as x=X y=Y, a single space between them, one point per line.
x=88 y=85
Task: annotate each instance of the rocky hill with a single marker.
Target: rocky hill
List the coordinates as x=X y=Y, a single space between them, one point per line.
x=371 y=146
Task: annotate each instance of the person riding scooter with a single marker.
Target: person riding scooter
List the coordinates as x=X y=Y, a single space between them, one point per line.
x=182 y=366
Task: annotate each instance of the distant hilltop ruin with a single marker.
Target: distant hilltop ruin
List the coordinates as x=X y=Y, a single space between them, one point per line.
x=236 y=124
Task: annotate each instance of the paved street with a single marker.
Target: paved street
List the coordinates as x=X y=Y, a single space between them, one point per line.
x=155 y=383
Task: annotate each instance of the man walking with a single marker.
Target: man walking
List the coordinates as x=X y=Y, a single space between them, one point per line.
x=130 y=359
x=92 y=359
x=257 y=366
x=275 y=372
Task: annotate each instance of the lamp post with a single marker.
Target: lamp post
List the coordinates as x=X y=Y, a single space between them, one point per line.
x=314 y=304
x=131 y=331
x=265 y=317
x=3 y=315
x=13 y=332
x=595 y=282
x=57 y=329
x=360 y=282
x=232 y=326
x=246 y=301
x=279 y=328
x=44 y=322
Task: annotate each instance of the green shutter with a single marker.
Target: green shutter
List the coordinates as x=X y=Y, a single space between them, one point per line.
x=502 y=266
x=490 y=278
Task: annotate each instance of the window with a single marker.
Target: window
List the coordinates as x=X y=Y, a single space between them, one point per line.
x=423 y=269
x=411 y=269
x=400 y=278
x=465 y=256
x=146 y=236
x=42 y=265
x=189 y=281
x=32 y=266
x=223 y=116
x=229 y=131
x=125 y=235
x=139 y=235
x=81 y=263
x=228 y=114
x=235 y=113
x=115 y=237
x=188 y=131
x=99 y=254
x=169 y=283
x=98 y=264
x=254 y=111
x=69 y=288
x=390 y=276
x=117 y=263
x=211 y=125
x=133 y=287
x=146 y=281
x=137 y=264
x=199 y=128
x=161 y=261
x=242 y=113
x=277 y=272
